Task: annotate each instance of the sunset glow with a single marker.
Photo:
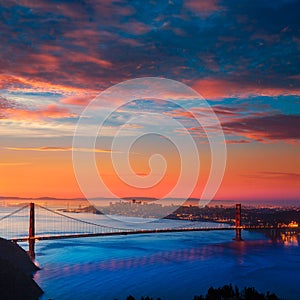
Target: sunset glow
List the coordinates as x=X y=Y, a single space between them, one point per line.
x=61 y=56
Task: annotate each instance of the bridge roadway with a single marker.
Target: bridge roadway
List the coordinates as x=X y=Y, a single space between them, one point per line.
x=135 y=232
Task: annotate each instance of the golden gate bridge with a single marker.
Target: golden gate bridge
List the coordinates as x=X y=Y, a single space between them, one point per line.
x=47 y=224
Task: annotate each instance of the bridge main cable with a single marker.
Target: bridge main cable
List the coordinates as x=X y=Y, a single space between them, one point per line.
x=14 y=212
x=82 y=221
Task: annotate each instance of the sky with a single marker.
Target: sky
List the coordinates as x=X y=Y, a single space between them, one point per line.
x=242 y=57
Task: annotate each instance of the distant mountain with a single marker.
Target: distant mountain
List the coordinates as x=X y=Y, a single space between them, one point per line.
x=146 y=199
x=39 y=198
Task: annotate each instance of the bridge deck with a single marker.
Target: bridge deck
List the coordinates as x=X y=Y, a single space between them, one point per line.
x=135 y=232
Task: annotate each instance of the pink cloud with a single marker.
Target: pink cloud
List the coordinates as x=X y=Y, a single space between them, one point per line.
x=135 y=27
x=82 y=57
x=52 y=111
x=220 y=111
x=109 y=10
x=218 y=89
x=237 y=141
x=79 y=99
x=179 y=113
x=266 y=128
x=26 y=84
x=202 y=7
x=48 y=60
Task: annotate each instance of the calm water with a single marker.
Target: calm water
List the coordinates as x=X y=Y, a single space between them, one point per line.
x=170 y=266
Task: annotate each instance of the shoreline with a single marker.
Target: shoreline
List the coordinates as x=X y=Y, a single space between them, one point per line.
x=17 y=270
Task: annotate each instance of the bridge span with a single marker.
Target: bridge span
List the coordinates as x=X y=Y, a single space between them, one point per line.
x=71 y=227
x=135 y=232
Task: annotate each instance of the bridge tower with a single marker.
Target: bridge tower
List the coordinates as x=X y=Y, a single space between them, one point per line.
x=238 y=230
x=31 y=240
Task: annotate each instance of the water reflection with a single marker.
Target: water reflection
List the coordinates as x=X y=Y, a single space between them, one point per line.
x=290 y=238
x=195 y=259
x=239 y=250
x=162 y=257
x=286 y=237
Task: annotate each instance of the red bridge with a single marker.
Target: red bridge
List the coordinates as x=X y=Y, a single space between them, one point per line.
x=56 y=225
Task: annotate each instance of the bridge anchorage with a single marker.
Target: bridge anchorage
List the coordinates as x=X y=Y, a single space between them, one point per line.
x=56 y=225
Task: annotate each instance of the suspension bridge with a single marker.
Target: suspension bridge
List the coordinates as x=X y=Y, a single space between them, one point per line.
x=47 y=224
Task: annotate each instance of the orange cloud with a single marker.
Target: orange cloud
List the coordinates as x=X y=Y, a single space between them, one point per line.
x=24 y=84
x=218 y=89
x=274 y=175
x=51 y=111
x=54 y=111
x=180 y=113
x=133 y=126
x=79 y=99
x=54 y=149
x=13 y=110
x=242 y=141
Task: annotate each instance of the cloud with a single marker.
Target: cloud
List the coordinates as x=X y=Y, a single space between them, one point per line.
x=132 y=126
x=237 y=141
x=77 y=10
x=3 y=107
x=134 y=27
x=79 y=99
x=180 y=113
x=24 y=84
x=281 y=174
x=51 y=111
x=215 y=89
x=207 y=115
x=59 y=149
x=21 y=127
x=274 y=175
x=262 y=128
x=54 y=111
x=202 y=7
x=67 y=47
x=6 y=105
x=226 y=110
x=76 y=50
x=241 y=123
